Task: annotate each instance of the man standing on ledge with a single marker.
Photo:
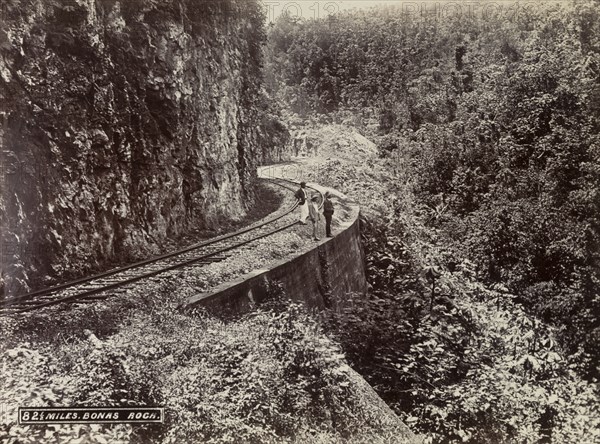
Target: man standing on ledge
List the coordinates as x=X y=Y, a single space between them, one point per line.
x=302 y=202
x=328 y=212
x=313 y=211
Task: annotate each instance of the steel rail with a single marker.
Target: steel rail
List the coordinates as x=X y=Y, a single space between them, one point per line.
x=44 y=291
x=29 y=298
x=139 y=277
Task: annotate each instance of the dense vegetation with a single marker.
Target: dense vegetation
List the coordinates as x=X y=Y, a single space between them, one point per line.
x=481 y=233
x=500 y=118
x=271 y=376
x=456 y=359
x=485 y=267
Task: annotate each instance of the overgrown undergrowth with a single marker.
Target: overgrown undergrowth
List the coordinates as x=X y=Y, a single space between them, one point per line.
x=466 y=365
x=271 y=376
x=458 y=360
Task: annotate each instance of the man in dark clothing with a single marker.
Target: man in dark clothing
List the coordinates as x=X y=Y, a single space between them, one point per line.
x=328 y=212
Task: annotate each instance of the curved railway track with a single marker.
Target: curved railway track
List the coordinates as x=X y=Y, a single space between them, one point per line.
x=113 y=282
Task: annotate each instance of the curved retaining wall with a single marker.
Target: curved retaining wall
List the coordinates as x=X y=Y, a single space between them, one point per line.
x=335 y=267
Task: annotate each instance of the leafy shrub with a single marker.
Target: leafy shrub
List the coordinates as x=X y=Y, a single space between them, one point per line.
x=469 y=365
x=271 y=376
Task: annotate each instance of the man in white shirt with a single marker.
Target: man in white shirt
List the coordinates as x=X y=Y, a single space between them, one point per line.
x=302 y=197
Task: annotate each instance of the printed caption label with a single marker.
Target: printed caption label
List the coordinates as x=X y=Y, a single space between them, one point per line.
x=90 y=415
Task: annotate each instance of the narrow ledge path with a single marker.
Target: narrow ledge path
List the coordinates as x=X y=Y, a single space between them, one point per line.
x=261 y=257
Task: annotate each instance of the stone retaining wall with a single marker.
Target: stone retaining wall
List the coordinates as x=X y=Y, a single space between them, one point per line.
x=335 y=266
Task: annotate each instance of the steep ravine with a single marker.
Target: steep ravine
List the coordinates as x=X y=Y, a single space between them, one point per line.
x=123 y=123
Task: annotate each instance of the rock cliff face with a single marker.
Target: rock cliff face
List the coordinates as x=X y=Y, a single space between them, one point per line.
x=123 y=122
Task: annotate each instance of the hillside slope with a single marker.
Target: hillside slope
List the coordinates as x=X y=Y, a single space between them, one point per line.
x=460 y=361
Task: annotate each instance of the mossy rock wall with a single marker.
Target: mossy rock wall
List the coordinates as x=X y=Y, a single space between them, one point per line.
x=123 y=123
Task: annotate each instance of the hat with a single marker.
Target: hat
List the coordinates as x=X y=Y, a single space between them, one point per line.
x=302 y=184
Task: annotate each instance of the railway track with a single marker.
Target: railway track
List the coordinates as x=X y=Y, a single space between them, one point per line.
x=118 y=280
